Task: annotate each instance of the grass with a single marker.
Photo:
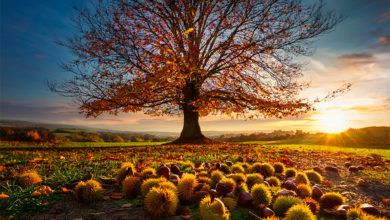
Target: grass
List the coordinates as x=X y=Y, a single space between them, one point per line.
x=380 y=176
x=80 y=160
x=385 y=153
x=78 y=144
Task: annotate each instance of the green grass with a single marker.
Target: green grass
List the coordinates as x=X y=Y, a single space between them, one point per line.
x=307 y=147
x=380 y=176
x=79 y=144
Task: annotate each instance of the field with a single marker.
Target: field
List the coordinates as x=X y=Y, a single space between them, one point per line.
x=60 y=167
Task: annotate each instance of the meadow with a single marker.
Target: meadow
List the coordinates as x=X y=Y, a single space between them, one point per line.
x=63 y=166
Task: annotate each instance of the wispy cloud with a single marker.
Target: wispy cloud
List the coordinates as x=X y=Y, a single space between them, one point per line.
x=383 y=41
x=384 y=17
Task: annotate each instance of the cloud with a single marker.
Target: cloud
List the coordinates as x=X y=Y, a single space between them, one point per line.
x=362 y=55
x=383 y=41
x=357 y=59
x=384 y=17
x=379 y=31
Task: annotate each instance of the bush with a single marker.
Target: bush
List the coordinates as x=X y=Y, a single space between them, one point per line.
x=161 y=202
x=283 y=203
x=301 y=212
x=261 y=195
x=331 y=199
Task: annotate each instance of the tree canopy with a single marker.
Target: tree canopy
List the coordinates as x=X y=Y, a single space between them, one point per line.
x=198 y=57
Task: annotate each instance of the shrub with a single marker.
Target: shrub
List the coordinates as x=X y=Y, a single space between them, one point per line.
x=161 y=202
x=212 y=210
x=261 y=195
x=331 y=199
x=279 y=167
x=290 y=172
x=301 y=212
x=301 y=178
x=283 y=203
x=125 y=170
x=304 y=190
x=253 y=178
x=89 y=191
x=150 y=183
x=186 y=186
x=273 y=181
x=29 y=178
x=314 y=176
x=131 y=185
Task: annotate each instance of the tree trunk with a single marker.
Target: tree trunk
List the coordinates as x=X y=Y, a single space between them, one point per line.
x=191 y=128
x=191 y=133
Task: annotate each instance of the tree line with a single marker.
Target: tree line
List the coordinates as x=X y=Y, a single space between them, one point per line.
x=41 y=134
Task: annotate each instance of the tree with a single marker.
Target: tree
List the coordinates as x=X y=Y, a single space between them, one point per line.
x=195 y=57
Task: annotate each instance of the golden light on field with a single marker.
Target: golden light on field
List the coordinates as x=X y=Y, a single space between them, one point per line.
x=332 y=122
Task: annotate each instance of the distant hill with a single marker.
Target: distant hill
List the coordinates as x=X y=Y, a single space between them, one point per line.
x=21 y=123
x=369 y=136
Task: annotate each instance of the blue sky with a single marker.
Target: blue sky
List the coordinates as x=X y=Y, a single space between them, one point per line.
x=357 y=51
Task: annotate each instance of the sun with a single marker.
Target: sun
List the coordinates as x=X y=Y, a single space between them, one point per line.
x=332 y=122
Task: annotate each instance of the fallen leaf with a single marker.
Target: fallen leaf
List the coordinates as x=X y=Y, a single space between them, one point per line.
x=65 y=190
x=127 y=205
x=386 y=201
x=116 y=195
x=2 y=195
x=187 y=216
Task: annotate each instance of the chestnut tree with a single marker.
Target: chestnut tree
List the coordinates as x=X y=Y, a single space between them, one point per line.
x=192 y=57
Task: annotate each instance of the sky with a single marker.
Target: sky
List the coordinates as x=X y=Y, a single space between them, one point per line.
x=357 y=52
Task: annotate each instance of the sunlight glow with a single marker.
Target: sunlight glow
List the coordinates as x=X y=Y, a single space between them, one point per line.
x=332 y=122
